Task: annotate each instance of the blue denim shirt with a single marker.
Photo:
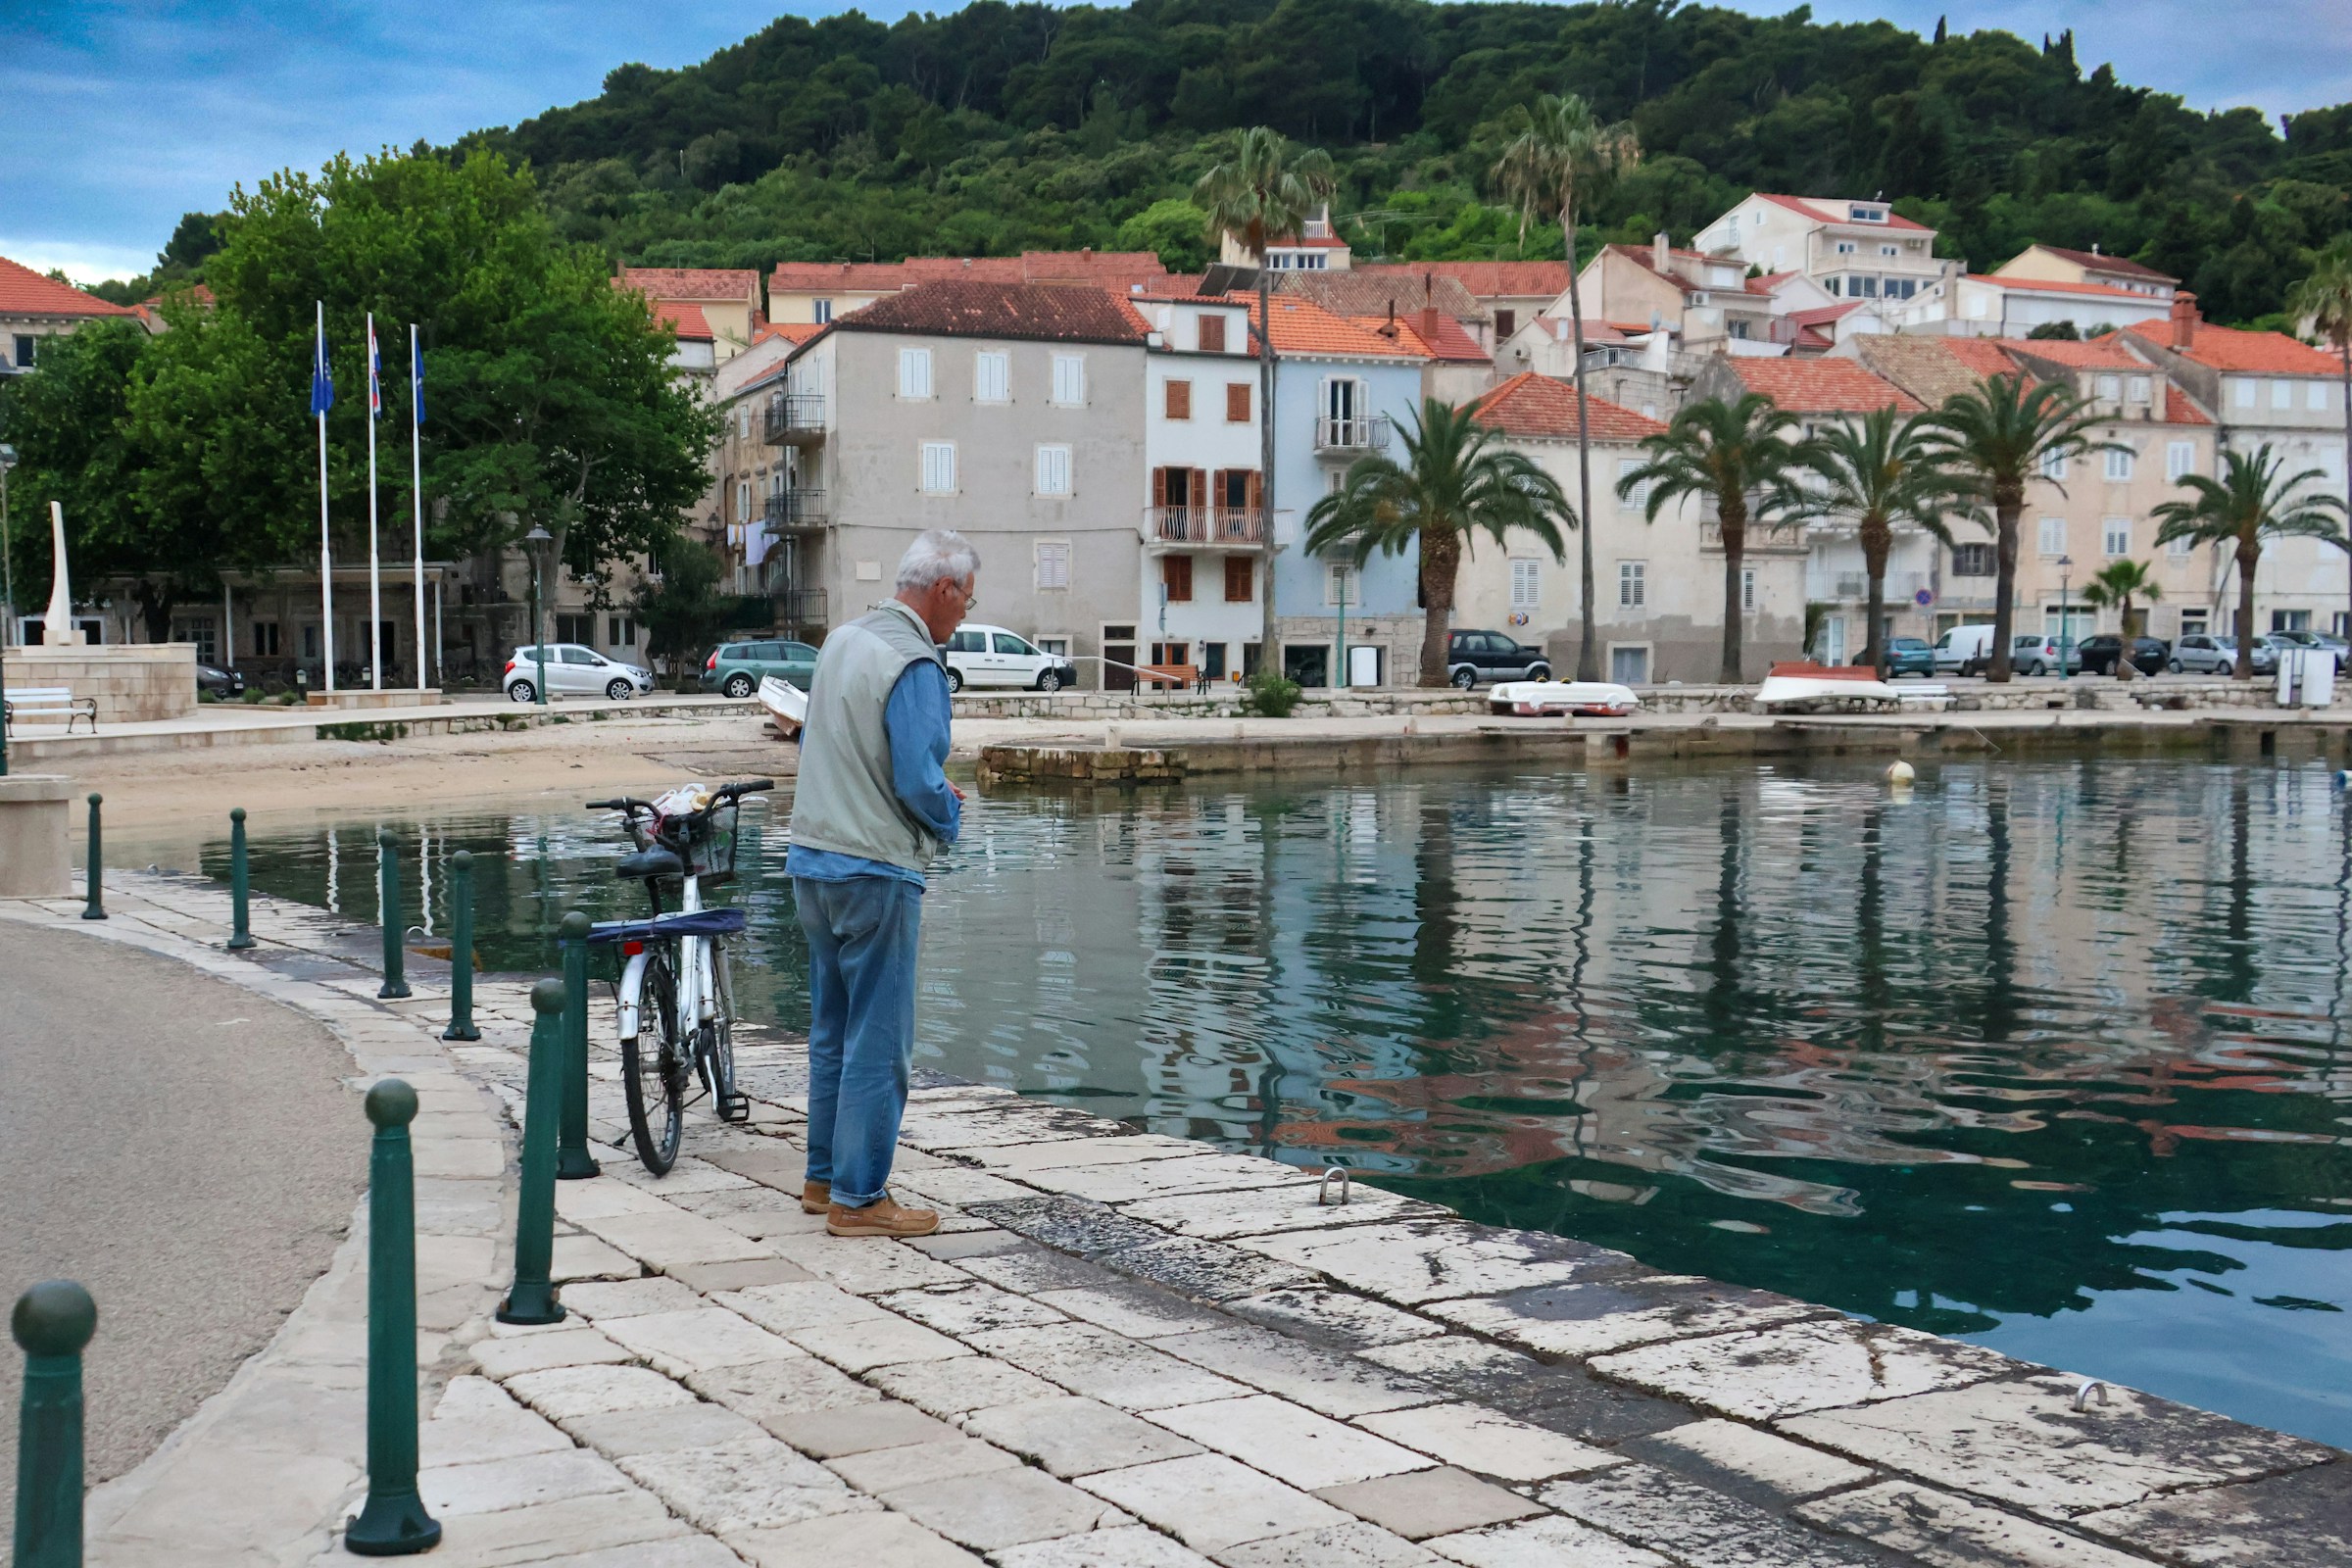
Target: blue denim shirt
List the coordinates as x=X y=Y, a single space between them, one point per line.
x=916 y=721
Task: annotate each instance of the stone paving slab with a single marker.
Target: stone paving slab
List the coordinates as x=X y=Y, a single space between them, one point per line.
x=1126 y=1349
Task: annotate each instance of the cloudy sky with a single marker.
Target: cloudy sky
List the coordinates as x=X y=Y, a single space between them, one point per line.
x=120 y=114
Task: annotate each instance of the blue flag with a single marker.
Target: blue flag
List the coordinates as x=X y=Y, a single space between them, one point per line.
x=323 y=379
x=416 y=372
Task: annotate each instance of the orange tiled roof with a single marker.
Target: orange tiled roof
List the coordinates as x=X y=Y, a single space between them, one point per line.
x=686 y=319
x=1544 y=408
x=1828 y=210
x=1490 y=279
x=1445 y=340
x=1933 y=369
x=26 y=292
x=2226 y=348
x=2101 y=352
x=711 y=284
x=1822 y=386
x=789 y=331
x=2101 y=262
x=1030 y=266
x=961 y=307
x=1302 y=326
x=2043 y=285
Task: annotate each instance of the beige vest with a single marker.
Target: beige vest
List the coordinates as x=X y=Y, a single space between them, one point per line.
x=844 y=800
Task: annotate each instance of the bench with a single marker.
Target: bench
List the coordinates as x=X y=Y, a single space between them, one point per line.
x=1181 y=677
x=37 y=701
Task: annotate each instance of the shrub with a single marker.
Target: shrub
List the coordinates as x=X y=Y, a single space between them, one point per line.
x=1270 y=696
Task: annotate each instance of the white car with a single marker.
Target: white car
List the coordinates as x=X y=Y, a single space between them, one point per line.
x=991 y=656
x=573 y=670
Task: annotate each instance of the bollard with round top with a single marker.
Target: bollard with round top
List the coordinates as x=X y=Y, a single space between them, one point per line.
x=574 y=1163
x=95 y=910
x=52 y=1321
x=387 y=910
x=393 y=1521
x=532 y=1299
x=460 y=949
x=240 y=885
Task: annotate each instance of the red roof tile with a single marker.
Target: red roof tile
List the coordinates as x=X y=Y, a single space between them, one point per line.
x=2226 y=348
x=790 y=331
x=2100 y=262
x=1302 y=326
x=1030 y=266
x=1490 y=280
x=1048 y=312
x=701 y=284
x=1823 y=315
x=1820 y=387
x=2044 y=285
x=26 y=292
x=2102 y=353
x=686 y=319
x=1444 y=339
x=1544 y=408
x=1812 y=207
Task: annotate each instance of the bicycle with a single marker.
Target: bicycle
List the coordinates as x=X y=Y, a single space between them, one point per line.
x=676 y=994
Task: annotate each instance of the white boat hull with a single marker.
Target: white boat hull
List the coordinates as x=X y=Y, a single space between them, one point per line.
x=1532 y=698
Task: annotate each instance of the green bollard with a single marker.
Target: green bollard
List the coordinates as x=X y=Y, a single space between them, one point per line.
x=240 y=884
x=95 y=910
x=533 y=1297
x=393 y=1521
x=52 y=1321
x=460 y=949
x=574 y=1163
x=387 y=909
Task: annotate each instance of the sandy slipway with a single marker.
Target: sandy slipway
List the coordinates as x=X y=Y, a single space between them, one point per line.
x=1122 y=1350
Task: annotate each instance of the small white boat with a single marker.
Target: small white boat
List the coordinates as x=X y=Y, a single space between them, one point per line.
x=1822 y=685
x=786 y=703
x=1583 y=699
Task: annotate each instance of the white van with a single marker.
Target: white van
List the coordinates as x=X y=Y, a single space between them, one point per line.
x=992 y=656
x=1965 y=650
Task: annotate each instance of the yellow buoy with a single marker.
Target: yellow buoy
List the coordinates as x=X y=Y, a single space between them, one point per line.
x=1900 y=772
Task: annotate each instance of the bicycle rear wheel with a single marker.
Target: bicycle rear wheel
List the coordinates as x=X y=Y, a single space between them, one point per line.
x=719 y=1044
x=654 y=1068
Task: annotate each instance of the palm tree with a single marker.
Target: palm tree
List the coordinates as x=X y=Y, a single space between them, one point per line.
x=1563 y=159
x=2254 y=496
x=2326 y=298
x=1883 y=474
x=1265 y=193
x=1744 y=458
x=1453 y=484
x=2000 y=434
x=2116 y=585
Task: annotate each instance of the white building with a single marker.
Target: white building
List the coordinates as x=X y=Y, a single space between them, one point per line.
x=1853 y=249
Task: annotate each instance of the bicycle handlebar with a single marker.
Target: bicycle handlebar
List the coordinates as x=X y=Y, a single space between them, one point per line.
x=748 y=786
x=724 y=791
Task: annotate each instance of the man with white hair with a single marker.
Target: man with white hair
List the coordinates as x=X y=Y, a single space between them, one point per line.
x=870 y=810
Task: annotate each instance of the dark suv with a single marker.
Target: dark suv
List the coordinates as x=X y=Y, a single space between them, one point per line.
x=1472 y=656
x=2102 y=653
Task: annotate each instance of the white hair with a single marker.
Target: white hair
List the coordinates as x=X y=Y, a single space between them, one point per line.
x=938 y=554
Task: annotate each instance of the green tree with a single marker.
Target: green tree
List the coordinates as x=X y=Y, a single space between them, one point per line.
x=1741 y=458
x=2117 y=586
x=1453 y=485
x=1563 y=160
x=2000 y=434
x=681 y=608
x=1265 y=192
x=2324 y=298
x=2255 y=499
x=1171 y=229
x=1882 y=474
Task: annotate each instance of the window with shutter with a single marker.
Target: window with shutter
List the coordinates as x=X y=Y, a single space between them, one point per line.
x=1052 y=563
x=915 y=372
x=992 y=377
x=1176 y=571
x=1241 y=579
x=2179 y=458
x=2119 y=461
x=1069 y=380
x=1052 y=470
x=2053 y=466
x=2116 y=536
x=1747 y=588
x=1526 y=583
x=2054 y=536
x=1633 y=588
x=1639 y=496
x=1237 y=403
x=939 y=468
x=1180 y=400
x=1212 y=334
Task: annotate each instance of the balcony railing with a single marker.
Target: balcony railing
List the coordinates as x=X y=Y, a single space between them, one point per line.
x=799 y=510
x=800 y=612
x=1206 y=525
x=794 y=419
x=1353 y=437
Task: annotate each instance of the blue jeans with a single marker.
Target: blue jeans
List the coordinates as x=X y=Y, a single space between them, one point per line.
x=862 y=936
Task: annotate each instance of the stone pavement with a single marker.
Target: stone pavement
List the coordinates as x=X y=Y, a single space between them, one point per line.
x=1133 y=1351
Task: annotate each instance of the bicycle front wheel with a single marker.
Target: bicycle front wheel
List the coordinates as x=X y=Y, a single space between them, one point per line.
x=654 y=1068
x=719 y=1044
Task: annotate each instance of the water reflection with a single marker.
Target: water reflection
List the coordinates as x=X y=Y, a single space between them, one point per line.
x=2049 y=1056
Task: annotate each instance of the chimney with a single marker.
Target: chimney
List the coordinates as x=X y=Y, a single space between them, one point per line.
x=1426 y=325
x=1658 y=248
x=2094 y=246
x=2185 y=321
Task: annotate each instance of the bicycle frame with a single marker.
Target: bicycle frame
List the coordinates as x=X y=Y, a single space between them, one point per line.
x=706 y=992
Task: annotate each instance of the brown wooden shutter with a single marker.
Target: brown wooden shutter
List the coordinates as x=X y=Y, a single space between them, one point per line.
x=1159 y=487
x=1236 y=402
x=1199 y=484
x=1241 y=579
x=1213 y=334
x=1180 y=400
x=1177 y=572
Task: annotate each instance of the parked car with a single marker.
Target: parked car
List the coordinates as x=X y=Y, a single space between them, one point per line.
x=738 y=668
x=2102 y=653
x=2031 y=654
x=1472 y=656
x=1964 y=651
x=2201 y=655
x=222 y=683
x=572 y=670
x=2314 y=639
x=991 y=656
x=1905 y=656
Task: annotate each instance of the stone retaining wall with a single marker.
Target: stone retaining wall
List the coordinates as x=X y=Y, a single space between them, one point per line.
x=132 y=682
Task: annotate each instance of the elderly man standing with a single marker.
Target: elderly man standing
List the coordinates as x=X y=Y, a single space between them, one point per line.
x=871 y=809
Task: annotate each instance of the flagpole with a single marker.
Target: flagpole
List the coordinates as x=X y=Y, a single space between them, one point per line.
x=375 y=559
x=326 y=558
x=416 y=483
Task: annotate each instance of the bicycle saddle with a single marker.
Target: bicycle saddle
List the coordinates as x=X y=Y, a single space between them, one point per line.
x=656 y=862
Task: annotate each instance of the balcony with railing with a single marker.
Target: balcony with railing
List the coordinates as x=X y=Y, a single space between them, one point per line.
x=794 y=419
x=797 y=510
x=1208 y=527
x=1354 y=437
x=799 y=611
x=1773 y=541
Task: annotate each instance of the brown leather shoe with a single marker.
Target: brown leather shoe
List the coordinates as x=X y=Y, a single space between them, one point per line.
x=881 y=1218
x=815 y=1197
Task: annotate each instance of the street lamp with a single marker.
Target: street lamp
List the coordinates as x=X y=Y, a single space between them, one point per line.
x=540 y=544
x=8 y=461
x=2066 y=564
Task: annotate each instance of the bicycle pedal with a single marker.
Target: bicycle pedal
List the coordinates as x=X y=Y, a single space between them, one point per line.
x=735 y=1108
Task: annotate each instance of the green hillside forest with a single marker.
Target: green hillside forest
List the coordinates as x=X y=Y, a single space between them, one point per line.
x=999 y=127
